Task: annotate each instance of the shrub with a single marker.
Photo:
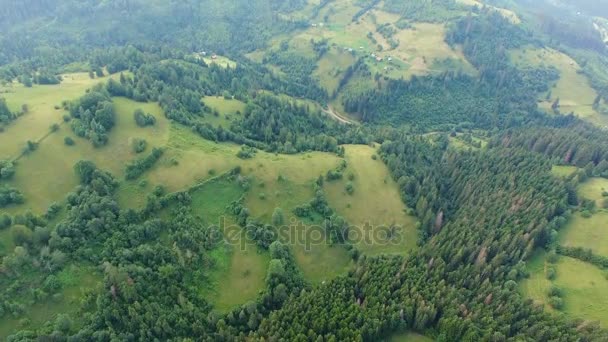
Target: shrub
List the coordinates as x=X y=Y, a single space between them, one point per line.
x=556 y=303
x=69 y=141
x=550 y=273
x=139 y=145
x=350 y=188
x=143 y=119
x=246 y=152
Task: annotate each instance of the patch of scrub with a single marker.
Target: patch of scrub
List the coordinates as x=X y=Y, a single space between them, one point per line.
x=563 y=170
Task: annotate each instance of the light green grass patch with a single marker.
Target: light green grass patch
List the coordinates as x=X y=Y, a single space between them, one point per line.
x=41 y=101
x=375 y=204
x=508 y=14
x=563 y=170
x=228 y=110
x=409 y=337
x=589 y=233
x=332 y=66
x=573 y=89
x=46 y=175
x=238 y=277
x=585 y=287
x=240 y=270
x=221 y=61
x=593 y=188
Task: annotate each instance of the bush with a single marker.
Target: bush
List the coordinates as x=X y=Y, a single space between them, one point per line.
x=554 y=291
x=139 y=145
x=550 y=273
x=138 y=167
x=586 y=214
x=69 y=141
x=556 y=302
x=246 y=152
x=7 y=169
x=143 y=119
x=350 y=188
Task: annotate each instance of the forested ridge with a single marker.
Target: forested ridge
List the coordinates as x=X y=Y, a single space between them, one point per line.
x=482 y=209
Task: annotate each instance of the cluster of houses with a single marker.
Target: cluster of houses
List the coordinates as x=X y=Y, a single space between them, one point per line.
x=204 y=54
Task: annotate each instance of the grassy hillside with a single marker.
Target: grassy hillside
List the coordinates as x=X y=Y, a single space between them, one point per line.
x=584 y=287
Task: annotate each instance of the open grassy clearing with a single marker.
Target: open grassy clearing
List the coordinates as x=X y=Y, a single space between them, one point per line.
x=75 y=281
x=563 y=170
x=409 y=337
x=286 y=182
x=238 y=277
x=331 y=68
x=221 y=61
x=584 y=287
x=240 y=269
x=424 y=46
x=41 y=101
x=226 y=109
x=418 y=53
x=512 y=16
x=199 y=159
x=46 y=175
x=573 y=88
x=375 y=204
x=593 y=188
x=589 y=233
x=460 y=142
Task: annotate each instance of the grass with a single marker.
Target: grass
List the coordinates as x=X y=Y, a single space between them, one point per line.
x=238 y=276
x=331 y=68
x=76 y=280
x=592 y=189
x=563 y=170
x=226 y=109
x=508 y=14
x=374 y=205
x=585 y=287
x=573 y=89
x=409 y=337
x=46 y=175
x=589 y=233
x=240 y=270
x=41 y=100
x=221 y=61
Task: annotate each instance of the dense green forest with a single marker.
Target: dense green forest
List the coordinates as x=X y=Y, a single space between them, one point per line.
x=186 y=126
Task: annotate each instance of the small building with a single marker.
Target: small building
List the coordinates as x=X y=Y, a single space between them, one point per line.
x=214 y=57
x=314 y=25
x=390 y=59
x=321 y=24
x=378 y=59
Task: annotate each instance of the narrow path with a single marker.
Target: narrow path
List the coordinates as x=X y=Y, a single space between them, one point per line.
x=340 y=118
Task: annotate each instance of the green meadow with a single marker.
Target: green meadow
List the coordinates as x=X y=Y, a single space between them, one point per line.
x=593 y=188
x=573 y=89
x=591 y=233
x=409 y=337
x=584 y=287
x=374 y=205
x=563 y=170
x=46 y=174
